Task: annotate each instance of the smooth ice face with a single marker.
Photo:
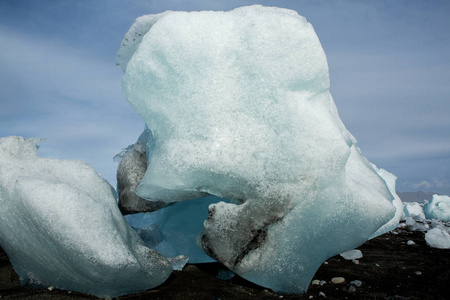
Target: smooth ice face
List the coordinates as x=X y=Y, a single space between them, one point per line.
x=239 y=107
x=60 y=226
x=438 y=208
x=393 y=223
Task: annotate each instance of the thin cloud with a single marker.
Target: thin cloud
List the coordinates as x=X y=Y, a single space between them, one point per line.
x=422 y=185
x=72 y=99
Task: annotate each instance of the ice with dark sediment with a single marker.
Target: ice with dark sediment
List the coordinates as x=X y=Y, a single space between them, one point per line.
x=239 y=107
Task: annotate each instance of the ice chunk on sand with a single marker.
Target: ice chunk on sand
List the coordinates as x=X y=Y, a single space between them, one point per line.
x=352 y=254
x=438 y=208
x=419 y=225
x=390 y=179
x=60 y=226
x=413 y=210
x=239 y=107
x=178 y=262
x=438 y=238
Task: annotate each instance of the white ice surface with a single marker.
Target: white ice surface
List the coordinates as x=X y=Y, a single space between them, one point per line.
x=352 y=254
x=239 y=107
x=438 y=208
x=60 y=226
x=414 y=225
x=390 y=180
x=438 y=238
x=413 y=210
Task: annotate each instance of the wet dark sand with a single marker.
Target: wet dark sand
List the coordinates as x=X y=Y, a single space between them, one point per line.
x=389 y=269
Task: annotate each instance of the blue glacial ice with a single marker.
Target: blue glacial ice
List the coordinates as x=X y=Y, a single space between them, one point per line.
x=60 y=226
x=172 y=230
x=239 y=107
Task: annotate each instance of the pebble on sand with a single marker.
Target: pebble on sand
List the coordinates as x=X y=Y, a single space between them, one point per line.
x=338 y=280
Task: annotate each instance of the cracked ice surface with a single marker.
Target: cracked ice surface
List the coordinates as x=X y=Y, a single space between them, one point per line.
x=60 y=226
x=239 y=107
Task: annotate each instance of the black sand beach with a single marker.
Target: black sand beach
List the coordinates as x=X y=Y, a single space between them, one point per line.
x=389 y=269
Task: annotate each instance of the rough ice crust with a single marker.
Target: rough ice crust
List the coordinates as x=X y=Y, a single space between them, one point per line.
x=60 y=226
x=239 y=107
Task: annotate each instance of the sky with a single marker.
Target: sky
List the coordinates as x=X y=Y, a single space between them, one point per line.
x=388 y=59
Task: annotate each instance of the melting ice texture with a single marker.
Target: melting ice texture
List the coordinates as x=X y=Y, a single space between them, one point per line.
x=60 y=226
x=239 y=107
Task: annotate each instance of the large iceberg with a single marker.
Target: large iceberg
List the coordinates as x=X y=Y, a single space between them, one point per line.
x=238 y=106
x=60 y=226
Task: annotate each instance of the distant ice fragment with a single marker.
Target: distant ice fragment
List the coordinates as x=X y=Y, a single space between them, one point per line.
x=352 y=254
x=239 y=107
x=60 y=227
x=413 y=210
x=438 y=238
x=416 y=225
x=438 y=208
